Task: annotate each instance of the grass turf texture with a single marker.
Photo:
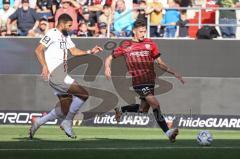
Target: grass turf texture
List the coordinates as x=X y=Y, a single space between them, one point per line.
x=115 y=143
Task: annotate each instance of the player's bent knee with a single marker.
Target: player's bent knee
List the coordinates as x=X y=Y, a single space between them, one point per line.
x=145 y=110
x=84 y=96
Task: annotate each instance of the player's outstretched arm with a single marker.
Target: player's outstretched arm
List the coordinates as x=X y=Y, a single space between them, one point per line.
x=77 y=52
x=164 y=67
x=40 y=56
x=108 y=62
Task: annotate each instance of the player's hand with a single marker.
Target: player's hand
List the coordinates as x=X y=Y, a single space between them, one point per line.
x=96 y=49
x=179 y=78
x=108 y=73
x=45 y=73
x=31 y=31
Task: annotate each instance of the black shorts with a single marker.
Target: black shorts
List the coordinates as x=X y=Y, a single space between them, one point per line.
x=144 y=90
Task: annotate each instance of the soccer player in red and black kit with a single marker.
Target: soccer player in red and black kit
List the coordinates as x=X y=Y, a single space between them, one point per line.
x=140 y=54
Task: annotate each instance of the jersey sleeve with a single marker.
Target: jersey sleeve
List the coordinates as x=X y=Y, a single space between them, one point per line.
x=119 y=51
x=70 y=44
x=155 y=53
x=47 y=39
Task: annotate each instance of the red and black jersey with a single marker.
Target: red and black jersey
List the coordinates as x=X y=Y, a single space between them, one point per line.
x=139 y=57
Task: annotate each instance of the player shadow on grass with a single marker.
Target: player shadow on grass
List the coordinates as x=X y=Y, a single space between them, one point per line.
x=27 y=139
x=109 y=142
x=105 y=148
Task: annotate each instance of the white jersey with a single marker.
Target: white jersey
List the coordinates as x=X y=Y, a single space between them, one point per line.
x=57 y=46
x=4 y=16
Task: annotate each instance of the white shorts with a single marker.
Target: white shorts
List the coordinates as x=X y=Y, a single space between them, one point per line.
x=61 y=85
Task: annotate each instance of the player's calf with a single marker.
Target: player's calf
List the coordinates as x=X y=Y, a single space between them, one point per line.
x=118 y=114
x=160 y=119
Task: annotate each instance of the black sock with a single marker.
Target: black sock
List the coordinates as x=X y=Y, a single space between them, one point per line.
x=130 y=108
x=160 y=119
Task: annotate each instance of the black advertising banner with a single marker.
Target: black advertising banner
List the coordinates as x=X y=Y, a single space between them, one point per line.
x=21 y=117
x=131 y=120
x=127 y=120
x=207 y=121
x=178 y=120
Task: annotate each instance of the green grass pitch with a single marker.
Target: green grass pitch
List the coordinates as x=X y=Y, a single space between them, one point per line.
x=115 y=143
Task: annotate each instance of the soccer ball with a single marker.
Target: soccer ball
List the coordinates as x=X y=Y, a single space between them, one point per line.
x=204 y=138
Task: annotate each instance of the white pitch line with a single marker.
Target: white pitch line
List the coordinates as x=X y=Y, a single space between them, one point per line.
x=120 y=148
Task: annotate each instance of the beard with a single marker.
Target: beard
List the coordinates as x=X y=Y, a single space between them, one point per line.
x=65 y=32
x=141 y=39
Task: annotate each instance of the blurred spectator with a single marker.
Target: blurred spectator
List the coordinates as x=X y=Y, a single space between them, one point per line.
x=123 y=20
x=102 y=30
x=207 y=32
x=41 y=30
x=182 y=24
x=27 y=19
x=155 y=11
x=142 y=11
x=170 y=19
x=18 y=4
x=95 y=5
x=69 y=7
x=227 y=17
x=11 y=3
x=89 y=21
x=82 y=2
x=83 y=30
x=108 y=2
x=55 y=6
x=4 y=14
x=200 y=3
x=136 y=1
x=108 y=14
x=129 y=4
x=105 y=16
x=44 y=9
x=185 y=3
x=93 y=2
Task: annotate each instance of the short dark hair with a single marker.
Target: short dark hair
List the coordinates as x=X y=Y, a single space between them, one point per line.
x=43 y=19
x=64 y=18
x=106 y=6
x=139 y=23
x=143 y=1
x=177 y=2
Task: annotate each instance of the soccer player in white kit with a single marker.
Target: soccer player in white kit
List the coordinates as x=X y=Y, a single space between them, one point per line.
x=52 y=55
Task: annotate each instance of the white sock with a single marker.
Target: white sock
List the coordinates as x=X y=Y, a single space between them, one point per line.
x=74 y=107
x=59 y=113
x=169 y=132
x=50 y=116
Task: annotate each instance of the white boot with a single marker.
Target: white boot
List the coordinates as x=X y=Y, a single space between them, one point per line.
x=172 y=134
x=66 y=126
